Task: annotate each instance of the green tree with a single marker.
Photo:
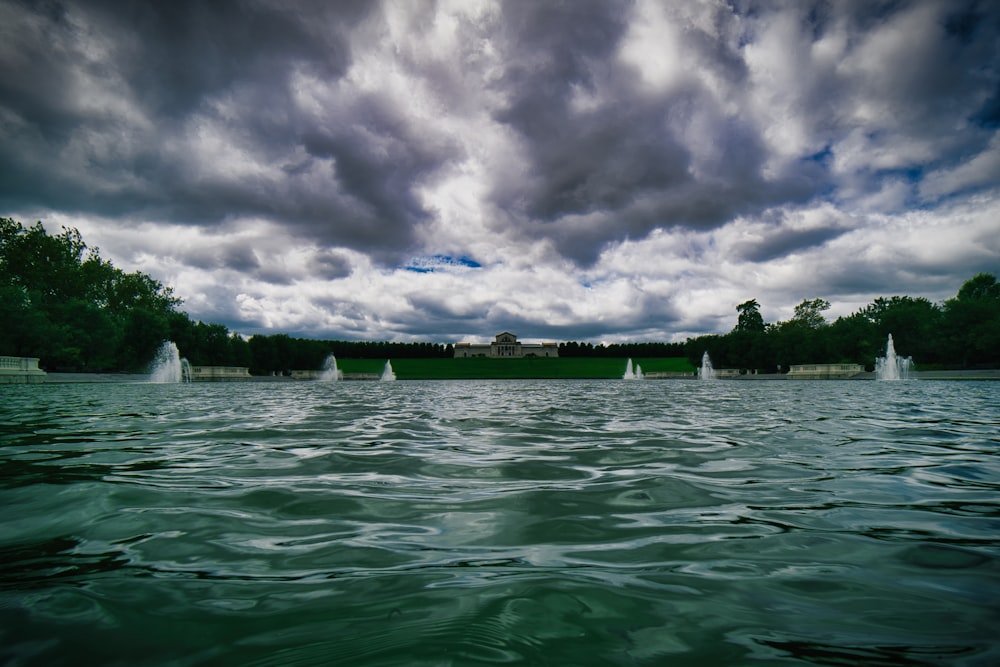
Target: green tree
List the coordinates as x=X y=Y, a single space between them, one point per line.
x=809 y=313
x=802 y=339
x=914 y=324
x=26 y=331
x=212 y=347
x=47 y=267
x=65 y=304
x=90 y=335
x=143 y=333
x=980 y=286
x=271 y=354
x=750 y=318
x=972 y=322
x=853 y=339
x=239 y=351
x=746 y=346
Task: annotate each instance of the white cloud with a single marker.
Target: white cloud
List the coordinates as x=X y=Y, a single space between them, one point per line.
x=980 y=171
x=652 y=46
x=577 y=171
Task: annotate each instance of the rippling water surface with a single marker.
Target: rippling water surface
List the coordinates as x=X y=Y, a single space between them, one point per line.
x=463 y=523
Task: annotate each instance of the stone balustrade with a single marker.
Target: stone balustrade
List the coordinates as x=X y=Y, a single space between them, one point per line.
x=824 y=371
x=20 y=370
x=220 y=374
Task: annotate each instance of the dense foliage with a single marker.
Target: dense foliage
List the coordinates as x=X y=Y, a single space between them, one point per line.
x=61 y=302
x=963 y=332
x=621 y=350
x=278 y=353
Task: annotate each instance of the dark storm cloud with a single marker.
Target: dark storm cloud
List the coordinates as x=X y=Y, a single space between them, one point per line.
x=99 y=102
x=379 y=166
x=382 y=168
x=102 y=105
x=622 y=168
x=626 y=166
x=175 y=54
x=781 y=242
x=192 y=49
x=329 y=266
x=935 y=74
x=579 y=161
x=434 y=318
x=236 y=256
x=169 y=56
x=471 y=319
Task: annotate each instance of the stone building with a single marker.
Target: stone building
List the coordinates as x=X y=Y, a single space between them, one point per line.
x=506 y=346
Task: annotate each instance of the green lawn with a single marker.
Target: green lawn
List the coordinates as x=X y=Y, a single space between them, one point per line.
x=528 y=368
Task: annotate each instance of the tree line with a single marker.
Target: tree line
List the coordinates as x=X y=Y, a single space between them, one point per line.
x=962 y=332
x=62 y=302
x=279 y=353
x=622 y=350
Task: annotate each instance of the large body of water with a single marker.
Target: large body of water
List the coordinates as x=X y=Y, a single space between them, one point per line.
x=478 y=522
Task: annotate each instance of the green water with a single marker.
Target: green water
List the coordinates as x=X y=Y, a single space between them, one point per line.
x=517 y=522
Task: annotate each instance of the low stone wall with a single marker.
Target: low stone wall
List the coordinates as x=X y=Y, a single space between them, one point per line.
x=315 y=375
x=20 y=370
x=220 y=373
x=362 y=376
x=824 y=371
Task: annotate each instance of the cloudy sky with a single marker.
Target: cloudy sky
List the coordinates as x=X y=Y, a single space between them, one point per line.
x=567 y=170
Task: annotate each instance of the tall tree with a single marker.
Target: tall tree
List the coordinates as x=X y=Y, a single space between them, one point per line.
x=66 y=305
x=972 y=322
x=802 y=339
x=980 y=286
x=809 y=313
x=750 y=318
x=913 y=322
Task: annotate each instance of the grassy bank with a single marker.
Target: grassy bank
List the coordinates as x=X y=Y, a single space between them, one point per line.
x=528 y=368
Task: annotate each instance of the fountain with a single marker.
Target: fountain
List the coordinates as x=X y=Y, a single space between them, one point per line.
x=387 y=374
x=330 y=372
x=630 y=374
x=891 y=366
x=706 y=372
x=168 y=366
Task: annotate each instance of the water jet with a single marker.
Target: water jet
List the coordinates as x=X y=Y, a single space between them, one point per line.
x=706 y=372
x=630 y=374
x=168 y=366
x=330 y=372
x=892 y=366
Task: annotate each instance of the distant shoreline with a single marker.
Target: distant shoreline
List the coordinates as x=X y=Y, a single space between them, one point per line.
x=97 y=378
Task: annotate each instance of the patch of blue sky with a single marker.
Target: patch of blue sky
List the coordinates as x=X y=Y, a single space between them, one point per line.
x=822 y=157
x=431 y=263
